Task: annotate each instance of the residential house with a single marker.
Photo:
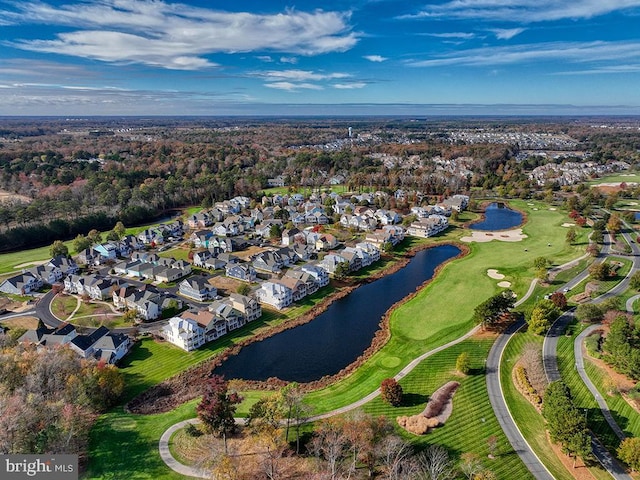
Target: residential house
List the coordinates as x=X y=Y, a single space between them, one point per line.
x=198 y=288
x=326 y=241
x=107 y=251
x=298 y=287
x=331 y=261
x=308 y=279
x=428 y=227
x=365 y=258
x=352 y=256
x=241 y=271
x=274 y=294
x=201 y=238
x=278 y=181
x=264 y=229
x=213 y=327
x=320 y=275
x=387 y=217
x=22 y=284
x=291 y=236
x=316 y=218
x=223 y=309
x=184 y=333
x=249 y=306
x=46 y=336
x=288 y=256
x=371 y=249
x=111 y=347
x=66 y=265
x=268 y=262
x=199 y=258
x=46 y=273
x=88 y=257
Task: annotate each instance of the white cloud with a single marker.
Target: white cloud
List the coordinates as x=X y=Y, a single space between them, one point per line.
x=299 y=75
x=349 y=86
x=612 y=69
x=507 y=33
x=461 y=35
x=577 y=52
x=524 y=11
x=375 y=58
x=265 y=58
x=293 y=87
x=177 y=36
x=291 y=60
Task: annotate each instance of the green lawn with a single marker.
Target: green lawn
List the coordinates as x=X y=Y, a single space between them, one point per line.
x=617 y=178
x=529 y=421
x=439 y=313
x=454 y=294
x=125 y=446
x=472 y=421
x=582 y=396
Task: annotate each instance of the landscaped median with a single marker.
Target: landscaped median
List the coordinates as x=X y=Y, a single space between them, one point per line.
x=437 y=314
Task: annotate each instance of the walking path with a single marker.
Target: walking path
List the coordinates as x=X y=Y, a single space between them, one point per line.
x=172 y=463
x=577 y=350
x=550 y=361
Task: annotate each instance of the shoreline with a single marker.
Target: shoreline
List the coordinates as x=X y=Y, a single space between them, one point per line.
x=171 y=393
x=483 y=205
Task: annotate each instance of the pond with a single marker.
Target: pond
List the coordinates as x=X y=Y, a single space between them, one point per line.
x=337 y=337
x=498 y=217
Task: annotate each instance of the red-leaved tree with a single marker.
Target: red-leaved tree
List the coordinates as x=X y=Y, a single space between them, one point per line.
x=391 y=392
x=218 y=407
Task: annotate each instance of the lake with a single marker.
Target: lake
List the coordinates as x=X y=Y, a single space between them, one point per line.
x=498 y=217
x=338 y=336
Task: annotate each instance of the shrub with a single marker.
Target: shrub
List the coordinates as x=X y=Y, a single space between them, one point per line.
x=525 y=384
x=417 y=424
x=592 y=344
x=463 y=363
x=391 y=392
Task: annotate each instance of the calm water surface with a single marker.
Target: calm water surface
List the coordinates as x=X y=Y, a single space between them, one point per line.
x=338 y=336
x=498 y=217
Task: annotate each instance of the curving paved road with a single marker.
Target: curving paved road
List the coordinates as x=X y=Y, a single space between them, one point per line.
x=551 y=362
x=577 y=350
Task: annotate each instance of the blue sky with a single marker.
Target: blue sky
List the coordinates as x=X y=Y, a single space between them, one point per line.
x=153 y=57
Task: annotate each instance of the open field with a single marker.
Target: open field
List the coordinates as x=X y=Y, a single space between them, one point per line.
x=472 y=421
x=454 y=294
x=617 y=178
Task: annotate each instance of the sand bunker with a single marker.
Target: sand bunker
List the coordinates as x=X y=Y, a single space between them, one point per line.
x=504 y=284
x=505 y=236
x=552 y=208
x=493 y=273
x=567 y=224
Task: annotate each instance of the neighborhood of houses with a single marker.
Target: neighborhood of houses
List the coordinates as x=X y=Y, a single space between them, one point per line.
x=135 y=278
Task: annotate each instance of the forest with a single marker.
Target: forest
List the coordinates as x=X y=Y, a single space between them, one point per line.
x=62 y=177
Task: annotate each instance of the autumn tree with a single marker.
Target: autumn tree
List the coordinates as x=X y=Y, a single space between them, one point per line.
x=217 y=408
x=120 y=229
x=391 y=392
x=542 y=315
x=58 y=248
x=571 y=236
x=600 y=271
x=295 y=410
x=94 y=236
x=634 y=282
x=559 y=299
x=629 y=452
x=614 y=225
